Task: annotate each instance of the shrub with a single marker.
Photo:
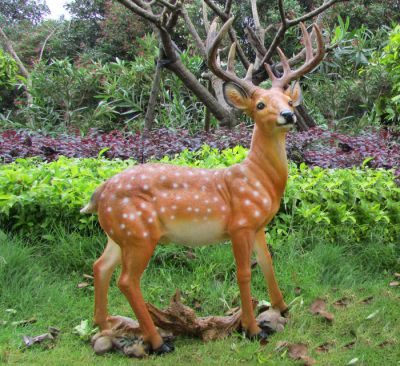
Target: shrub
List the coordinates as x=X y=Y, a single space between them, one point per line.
x=34 y=195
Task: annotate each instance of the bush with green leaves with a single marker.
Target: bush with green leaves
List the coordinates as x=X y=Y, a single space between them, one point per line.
x=387 y=107
x=34 y=195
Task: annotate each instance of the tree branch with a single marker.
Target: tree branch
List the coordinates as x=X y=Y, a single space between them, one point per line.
x=192 y=30
x=141 y=12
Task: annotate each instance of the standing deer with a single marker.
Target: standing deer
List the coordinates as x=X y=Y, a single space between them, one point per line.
x=157 y=203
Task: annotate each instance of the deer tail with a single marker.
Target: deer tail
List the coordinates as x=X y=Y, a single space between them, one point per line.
x=92 y=206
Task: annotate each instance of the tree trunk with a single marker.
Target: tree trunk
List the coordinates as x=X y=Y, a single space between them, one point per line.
x=155 y=89
x=225 y=117
x=24 y=72
x=304 y=120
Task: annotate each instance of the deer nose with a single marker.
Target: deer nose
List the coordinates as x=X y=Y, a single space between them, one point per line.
x=288 y=116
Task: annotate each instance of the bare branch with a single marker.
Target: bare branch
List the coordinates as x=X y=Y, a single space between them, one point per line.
x=140 y=11
x=205 y=17
x=45 y=42
x=313 y=13
x=167 y=4
x=228 y=6
x=224 y=17
x=192 y=30
x=282 y=12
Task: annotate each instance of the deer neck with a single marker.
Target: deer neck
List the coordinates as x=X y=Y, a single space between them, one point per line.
x=267 y=159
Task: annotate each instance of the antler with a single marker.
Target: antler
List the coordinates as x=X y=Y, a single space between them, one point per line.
x=310 y=63
x=212 y=43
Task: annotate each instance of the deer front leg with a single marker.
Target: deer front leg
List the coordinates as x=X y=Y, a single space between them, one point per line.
x=265 y=262
x=242 y=245
x=102 y=271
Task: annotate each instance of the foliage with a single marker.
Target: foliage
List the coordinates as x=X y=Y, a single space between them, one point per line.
x=344 y=90
x=12 y=11
x=8 y=77
x=34 y=194
x=387 y=107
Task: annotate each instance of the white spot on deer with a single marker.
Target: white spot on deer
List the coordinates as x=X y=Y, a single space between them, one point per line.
x=154 y=214
x=125 y=201
x=196 y=209
x=242 y=169
x=173 y=207
x=102 y=195
x=247 y=202
x=228 y=173
x=125 y=215
x=242 y=221
x=109 y=209
x=128 y=233
x=172 y=217
x=128 y=186
x=177 y=174
x=203 y=188
x=191 y=173
x=202 y=172
x=206 y=202
x=132 y=177
x=145 y=234
x=256 y=194
x=257 y=213
x=178 y=198
x=209 y=210
x=154 y=198
x=113 y=196
x=111 y=231
x=215 y=199
x=245 y=179
x=132 y=217
x=143 y=205
x=122 y=226
x=265 y=201
x=219 y=186
x=175 y=185
x=196 y=197
x=241 y=189
x=119 y=186
x=189 y=209
x=164 y=194
x=146 y=187
x=163 y=178
x=223 y=208
x=162 y=209
x=257 y=184
x=162 y=168
x=150 y=220
x=143 y=176
x=185 y=185
x=139 y=213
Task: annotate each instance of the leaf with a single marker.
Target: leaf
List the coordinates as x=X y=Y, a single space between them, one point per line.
x=394 y=283
x=298 y=351
x=349 y=345
x=367 y=300
x=318 y=307
x=342 y=303
x=84 y=330
x=83 y=285
x=353 y=361
x=324 y=347
x=372 y=315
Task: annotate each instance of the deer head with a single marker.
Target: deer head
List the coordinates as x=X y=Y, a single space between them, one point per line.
x=273 y=109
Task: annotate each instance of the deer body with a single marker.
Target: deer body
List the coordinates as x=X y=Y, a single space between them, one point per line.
x=156 y=203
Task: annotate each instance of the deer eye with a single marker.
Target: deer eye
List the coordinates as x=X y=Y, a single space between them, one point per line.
x=260 y=106
x=291 y=103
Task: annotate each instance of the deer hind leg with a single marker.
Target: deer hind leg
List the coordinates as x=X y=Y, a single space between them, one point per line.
x=242 y=245
x=102 y=271
x=135 y=257
x=265 y=262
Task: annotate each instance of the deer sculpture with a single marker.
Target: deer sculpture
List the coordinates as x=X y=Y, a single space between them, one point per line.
x=158 y=203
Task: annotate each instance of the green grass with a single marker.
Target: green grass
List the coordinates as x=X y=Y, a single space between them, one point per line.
x=39 y=278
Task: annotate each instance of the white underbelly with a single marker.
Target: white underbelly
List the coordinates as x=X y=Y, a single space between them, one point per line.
x=194 y=234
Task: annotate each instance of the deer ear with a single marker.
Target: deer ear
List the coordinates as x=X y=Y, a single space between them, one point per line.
x=294 y=92
x=236 y=96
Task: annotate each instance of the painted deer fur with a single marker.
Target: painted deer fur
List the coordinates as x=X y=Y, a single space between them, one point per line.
x=158 y=203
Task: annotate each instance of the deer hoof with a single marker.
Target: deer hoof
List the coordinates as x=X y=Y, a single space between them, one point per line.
x=261 y=336
x=163 y=349
x=285 y=313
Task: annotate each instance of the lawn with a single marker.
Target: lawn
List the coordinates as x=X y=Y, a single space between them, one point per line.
x=39 y=278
